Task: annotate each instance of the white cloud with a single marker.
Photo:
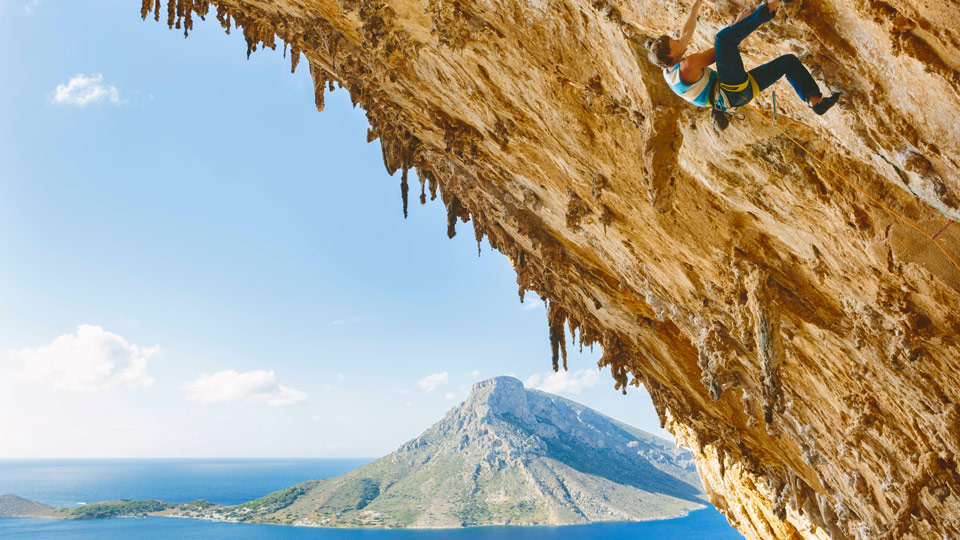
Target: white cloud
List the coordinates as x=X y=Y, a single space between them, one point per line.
x=32 y=6
x=532 y=304
x=451 y=396
x=564 y=382
x=258 y=387
x=475 y=373
x=90 y=359
x=432 y=382
x=83 y=90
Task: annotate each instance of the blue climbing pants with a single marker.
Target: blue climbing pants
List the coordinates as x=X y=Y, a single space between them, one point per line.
x=737 y=85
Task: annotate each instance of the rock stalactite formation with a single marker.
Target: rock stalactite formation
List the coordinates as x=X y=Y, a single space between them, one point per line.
x=802 y=341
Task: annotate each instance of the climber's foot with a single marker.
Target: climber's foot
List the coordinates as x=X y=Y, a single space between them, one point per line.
x=825 y=103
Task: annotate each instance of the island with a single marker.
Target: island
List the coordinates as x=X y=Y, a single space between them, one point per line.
x=507 y=455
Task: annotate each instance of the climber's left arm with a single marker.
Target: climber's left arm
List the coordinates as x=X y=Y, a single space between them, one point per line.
x=686 y=33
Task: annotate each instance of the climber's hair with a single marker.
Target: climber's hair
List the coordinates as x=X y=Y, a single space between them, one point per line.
x=659 y=52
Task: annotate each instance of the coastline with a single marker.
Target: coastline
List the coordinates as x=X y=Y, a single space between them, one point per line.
x=684 y=514
x=362 y=527
x=63 y=514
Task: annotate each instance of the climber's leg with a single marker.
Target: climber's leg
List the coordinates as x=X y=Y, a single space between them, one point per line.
x=789 y=65
x=729 y=64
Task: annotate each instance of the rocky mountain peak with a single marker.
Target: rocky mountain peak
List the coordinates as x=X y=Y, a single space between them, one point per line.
x=499 y=396
x=508 y=454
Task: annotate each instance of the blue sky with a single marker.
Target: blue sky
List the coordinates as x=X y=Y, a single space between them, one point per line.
x=240 y=263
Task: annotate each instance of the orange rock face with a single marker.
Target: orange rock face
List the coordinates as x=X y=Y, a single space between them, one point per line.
x=799 y=338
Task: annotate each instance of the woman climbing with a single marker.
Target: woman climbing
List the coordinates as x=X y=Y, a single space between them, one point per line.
x=730 y=85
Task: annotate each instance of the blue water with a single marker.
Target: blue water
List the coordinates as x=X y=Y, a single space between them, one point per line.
x=222 y=481
x=231 y=481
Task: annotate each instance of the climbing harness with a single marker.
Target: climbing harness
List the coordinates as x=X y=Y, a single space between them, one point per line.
x=933 y=237
x=731 y=96
x=725 y=97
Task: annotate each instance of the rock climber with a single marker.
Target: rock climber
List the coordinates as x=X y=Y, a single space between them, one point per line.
x=730 y=85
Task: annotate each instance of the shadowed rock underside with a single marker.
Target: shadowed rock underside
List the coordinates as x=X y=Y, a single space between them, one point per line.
x=802 y=341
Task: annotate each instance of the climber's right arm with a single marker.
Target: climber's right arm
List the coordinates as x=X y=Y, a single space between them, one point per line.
x=692 y=66
x=686 y=33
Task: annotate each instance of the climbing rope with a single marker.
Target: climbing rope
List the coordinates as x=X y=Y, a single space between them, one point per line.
x=885 y=207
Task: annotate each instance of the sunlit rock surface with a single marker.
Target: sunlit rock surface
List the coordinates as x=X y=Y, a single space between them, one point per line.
x=802 y=341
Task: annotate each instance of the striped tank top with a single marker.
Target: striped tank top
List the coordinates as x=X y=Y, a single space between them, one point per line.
x=697 y=93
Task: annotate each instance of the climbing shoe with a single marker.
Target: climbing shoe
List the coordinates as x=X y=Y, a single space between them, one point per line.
x=826 y=103
x=720 y=120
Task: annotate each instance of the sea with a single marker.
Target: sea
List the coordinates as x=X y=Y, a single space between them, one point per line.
x=233 y=481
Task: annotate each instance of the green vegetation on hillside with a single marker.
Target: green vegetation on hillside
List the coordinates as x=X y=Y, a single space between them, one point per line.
x=277 y=500
x=354 y=494
x=120 y=509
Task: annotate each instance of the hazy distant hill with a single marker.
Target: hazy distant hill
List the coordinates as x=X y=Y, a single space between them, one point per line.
x=505 y=455
x=14 y=506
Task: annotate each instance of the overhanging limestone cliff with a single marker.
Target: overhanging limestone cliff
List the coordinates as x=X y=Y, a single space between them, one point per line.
x=802 y=341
